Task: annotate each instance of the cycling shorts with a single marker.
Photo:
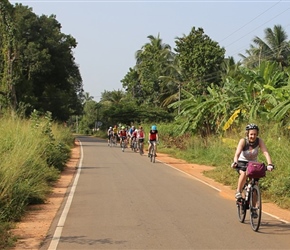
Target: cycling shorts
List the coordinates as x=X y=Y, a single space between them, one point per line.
x=242 y=165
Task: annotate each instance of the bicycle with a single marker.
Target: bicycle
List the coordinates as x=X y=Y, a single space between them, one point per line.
x=251 y=200
x=115 y=140
x=141 y=146
x=152 y=152
x=134 y=145
x=112 y=142
x=123 y=143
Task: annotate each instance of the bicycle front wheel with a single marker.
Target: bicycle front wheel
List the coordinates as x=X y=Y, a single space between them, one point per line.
x=242 y=209
x=255 y=208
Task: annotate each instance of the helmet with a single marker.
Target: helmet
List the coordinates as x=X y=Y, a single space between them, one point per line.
x=110 y=127
x=252 y=126
x=136 y=130
x=153 y=127
x=123 y=127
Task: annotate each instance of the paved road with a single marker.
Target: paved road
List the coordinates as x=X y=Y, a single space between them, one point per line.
x=122 y=201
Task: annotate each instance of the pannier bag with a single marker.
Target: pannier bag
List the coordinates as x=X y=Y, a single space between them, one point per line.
x=256 y=169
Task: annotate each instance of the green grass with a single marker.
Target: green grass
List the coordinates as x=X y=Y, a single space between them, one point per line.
x=32 y=154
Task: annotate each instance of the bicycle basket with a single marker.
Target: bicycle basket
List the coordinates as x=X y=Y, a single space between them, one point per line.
x=256 y=169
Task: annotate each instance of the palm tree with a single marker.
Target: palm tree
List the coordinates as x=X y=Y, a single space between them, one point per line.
x=274 y=48
x=151 y=62
x=113 y=97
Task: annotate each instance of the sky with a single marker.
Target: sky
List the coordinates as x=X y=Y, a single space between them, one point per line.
x=109 y=33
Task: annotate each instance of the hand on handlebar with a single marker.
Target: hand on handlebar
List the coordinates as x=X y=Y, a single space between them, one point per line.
x=270 y=167
x=234 y=165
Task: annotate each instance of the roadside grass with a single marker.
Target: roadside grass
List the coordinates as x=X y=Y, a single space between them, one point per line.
x=31 y=162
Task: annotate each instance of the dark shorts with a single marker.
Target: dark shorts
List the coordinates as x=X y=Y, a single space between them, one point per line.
x=141 y=140
x=242 y=165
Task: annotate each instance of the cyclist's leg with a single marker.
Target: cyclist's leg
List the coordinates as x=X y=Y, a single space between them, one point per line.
x=241 y=169
x=155 y=148
x=149 y=147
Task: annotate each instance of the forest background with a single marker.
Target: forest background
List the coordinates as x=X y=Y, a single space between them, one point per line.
x=200 y=101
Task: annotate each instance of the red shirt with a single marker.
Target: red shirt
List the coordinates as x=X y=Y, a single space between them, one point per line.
x=152 y=135
x=123 y=133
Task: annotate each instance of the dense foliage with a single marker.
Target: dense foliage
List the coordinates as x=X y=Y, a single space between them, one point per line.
x=37 y=66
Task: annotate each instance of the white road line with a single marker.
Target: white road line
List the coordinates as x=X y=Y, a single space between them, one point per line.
x=57 y=234
x=191 y=176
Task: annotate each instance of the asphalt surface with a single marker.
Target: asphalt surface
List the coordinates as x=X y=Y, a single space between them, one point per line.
x=120 y=200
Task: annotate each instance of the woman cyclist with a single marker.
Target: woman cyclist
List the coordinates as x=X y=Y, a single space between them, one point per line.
x=247 y=150
x=153 y=139
x=140 y=138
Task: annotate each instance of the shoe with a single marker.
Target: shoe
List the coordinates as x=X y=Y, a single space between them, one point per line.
x=238 y=195
x=254 y=214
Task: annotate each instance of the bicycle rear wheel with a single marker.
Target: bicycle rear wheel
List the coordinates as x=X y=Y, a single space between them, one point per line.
x=141 y=148
x=255 y=208
x=150 y=153
x=153 y=154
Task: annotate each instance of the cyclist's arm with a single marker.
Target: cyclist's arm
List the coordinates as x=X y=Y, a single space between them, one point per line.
x=239 y=149
x=265 y=151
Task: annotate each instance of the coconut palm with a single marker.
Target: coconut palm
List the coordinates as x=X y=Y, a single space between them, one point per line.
x=151 y=62
x=274 y=47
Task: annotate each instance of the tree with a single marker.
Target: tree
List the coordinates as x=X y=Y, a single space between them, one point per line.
x=9 y=56
x=274 y=48
x=114 y=97
x=50 y=79
x=151 y=62
x=200 y=60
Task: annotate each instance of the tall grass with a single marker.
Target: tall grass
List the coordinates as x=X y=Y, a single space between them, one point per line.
x=31 y=162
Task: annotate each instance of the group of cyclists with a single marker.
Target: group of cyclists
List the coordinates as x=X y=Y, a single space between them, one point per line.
x=130 y=135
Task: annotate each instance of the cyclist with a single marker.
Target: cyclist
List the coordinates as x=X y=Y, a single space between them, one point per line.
x=123 y=135
x=115 y=133
x=247 y=150
x=134 y=137
x=110 y=134
x=153 y=139
x=140 y=137
x=130 y=133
